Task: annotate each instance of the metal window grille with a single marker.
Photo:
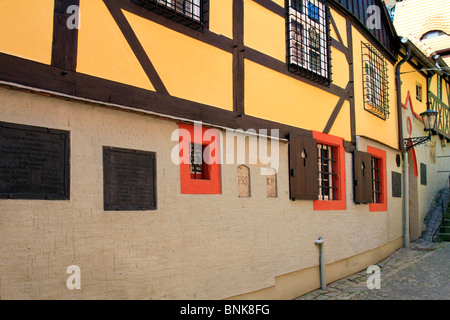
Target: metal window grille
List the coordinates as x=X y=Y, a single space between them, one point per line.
x=308 y=39
x=376 y=180
x=196 y=163
x=375 y=82
x=327 y=172
x=199 y=166
x=188 y=12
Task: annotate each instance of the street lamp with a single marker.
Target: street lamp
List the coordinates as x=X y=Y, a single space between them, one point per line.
x=429 y=118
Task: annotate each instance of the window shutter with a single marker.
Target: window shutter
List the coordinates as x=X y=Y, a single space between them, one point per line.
x=363 y=177
x=303 y=168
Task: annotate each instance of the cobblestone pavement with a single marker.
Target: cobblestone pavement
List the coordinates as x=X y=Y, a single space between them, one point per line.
x=420 y=272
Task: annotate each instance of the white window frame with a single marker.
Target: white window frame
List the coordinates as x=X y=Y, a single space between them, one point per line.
x=329 y=173
x=303 y=19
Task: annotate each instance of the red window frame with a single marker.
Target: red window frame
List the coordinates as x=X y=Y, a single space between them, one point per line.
x=189 y=184
x=381 y=156
x=340 y=201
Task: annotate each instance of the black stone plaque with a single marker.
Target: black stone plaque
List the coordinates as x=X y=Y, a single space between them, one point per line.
x=396 y=185
x=129 y=179
x=34 y=163
x=423 y=174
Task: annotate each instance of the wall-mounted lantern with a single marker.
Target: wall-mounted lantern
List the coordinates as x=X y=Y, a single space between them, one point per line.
x=429 y=118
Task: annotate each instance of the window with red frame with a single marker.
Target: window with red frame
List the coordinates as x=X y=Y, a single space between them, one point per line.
x=379 y=184
x=199 y=155
x=331 y=172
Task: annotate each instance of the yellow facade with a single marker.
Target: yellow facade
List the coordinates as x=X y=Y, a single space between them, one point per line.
x=199 y=72
x=102 y=45
x=130 y=79
x=28 y=34
x=264 y=31
x=367 y=124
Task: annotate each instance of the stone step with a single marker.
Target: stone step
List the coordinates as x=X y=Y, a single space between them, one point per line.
x=444 y=237
x=445 y=229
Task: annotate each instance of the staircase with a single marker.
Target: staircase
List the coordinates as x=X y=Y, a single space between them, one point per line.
x=444 y=232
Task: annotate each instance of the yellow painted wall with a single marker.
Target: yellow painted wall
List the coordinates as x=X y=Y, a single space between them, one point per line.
x=368 y=124
x=190 y=69
x=341 y=24
x=279 y=2
x=341 y=126
x=277 y=97
x=409 y=80
x=264 y=30
x=27 y=29
x=281 y=98
x=102 y=49
x=339 y=68
x=221 y=17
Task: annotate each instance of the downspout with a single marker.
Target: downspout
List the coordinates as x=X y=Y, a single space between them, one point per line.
x=398 y=84
x=323 y=283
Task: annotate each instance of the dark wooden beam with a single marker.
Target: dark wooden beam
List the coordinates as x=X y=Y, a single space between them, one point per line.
x=65 y=40
x=273 y=7
x=281 y=67
x=238 y=57
x=136 y=46
x=44 y=77
x=338 y=108
x=351 y=80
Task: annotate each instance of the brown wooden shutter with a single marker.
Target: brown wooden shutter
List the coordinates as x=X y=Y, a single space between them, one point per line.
x=303 y=168
x=362 y=162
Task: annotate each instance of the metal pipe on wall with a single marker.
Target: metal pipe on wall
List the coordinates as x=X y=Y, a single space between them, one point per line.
x=398 y=83
x=323 y=282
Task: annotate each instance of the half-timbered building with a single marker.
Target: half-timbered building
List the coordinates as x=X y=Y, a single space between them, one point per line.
x=197 y=149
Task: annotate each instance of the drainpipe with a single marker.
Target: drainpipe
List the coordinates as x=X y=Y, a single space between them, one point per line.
x=398 y=84
x=405 y=201
x=323 y=283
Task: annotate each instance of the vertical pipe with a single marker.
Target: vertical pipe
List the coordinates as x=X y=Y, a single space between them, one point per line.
x=323 y=283
x=405 y=201
x=398 y=84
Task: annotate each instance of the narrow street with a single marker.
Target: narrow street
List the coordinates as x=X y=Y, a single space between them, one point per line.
x=420 y=272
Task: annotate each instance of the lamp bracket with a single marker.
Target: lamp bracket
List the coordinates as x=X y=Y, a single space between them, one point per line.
x=408 y=143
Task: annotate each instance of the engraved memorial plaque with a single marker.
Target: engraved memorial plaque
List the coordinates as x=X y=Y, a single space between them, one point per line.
x=271 y=183
x=34 y=163
x=396 y=185
x=129 y=179
x=423 y=174
x=243 y=173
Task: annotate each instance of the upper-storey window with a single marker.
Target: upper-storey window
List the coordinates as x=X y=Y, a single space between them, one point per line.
x=375 y=82
x=189 y=12
x=308 y=52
